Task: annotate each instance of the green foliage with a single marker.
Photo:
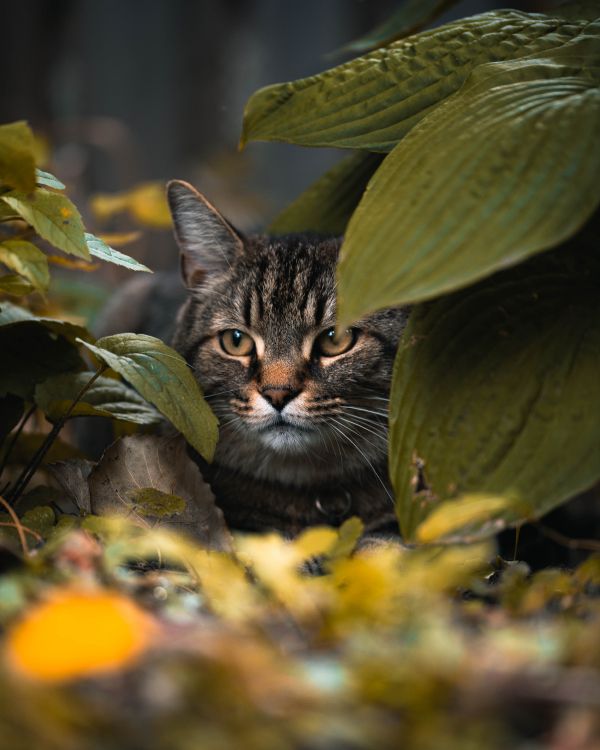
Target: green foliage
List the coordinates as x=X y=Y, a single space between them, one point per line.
x=17 y=164
x=42 y=366
x=162 y=377
x=106 y=397
x=99 y=249
x=490 y=127
x=488 y=385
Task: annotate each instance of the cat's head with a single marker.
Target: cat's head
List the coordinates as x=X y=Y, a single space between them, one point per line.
x=295 y=403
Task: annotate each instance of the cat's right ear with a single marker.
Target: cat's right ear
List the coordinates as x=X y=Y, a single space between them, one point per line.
x=207 y=241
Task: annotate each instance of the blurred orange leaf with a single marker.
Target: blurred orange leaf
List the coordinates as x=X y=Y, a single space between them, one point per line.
x=78 y=633
x=146 y=203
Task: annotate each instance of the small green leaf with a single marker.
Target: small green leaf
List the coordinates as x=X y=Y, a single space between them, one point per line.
x=496 y=391
x=522 y=175
x=15 y=285
x=148 y=501
x=48 y=180
x=327 y=205
x=106 y=397
x=373 y=101
x=53 y=217
x=100 y=249
x=162 y=377
x=27 y=260
x=17 y=164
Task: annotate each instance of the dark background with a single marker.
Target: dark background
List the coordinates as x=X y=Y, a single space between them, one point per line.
x=133 y=90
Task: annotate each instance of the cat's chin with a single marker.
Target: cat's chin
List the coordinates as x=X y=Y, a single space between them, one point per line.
x=288 y=438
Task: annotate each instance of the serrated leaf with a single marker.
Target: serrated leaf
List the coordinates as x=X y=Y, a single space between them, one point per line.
x=327 y=205
x=54 y=218
x=162 y=377
x=496 y=392
x=521 y=176
x=106 y=397
x=373 y=101
x=48 y=180
x=411 y=16
x=33 y=349
x=15 y=285
x=27 y=260
x=140 y=462
x=150 y=502
x=17 y=163
x=100 y=249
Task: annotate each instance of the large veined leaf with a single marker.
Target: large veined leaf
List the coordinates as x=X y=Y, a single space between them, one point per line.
x=33 y=349
x=162 y=377
x=410 y=16
x=106 y=397
x=328 y=204
x=54 y=217
x=373 y=101
x=17 y=165
x=27 y=260
x=506 y=168
x=99 y=249
x=496 y=393
x=141 y=471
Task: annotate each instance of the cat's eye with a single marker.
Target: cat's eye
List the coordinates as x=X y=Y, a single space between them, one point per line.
x=327 y=344
x=237 y=343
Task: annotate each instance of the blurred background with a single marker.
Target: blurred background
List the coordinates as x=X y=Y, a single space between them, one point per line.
x=124 y=93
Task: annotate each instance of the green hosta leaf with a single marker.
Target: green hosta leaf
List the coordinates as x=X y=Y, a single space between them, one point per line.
x=53 y=217
x=521 y=175
x=33 y=349
x=48 y=180
x=100 y=249
x=411 y=16
x=106 y=397
x=327 y=205
x=27 y=260
x=148 y=501
x=15 y=285
x=373 y=101
x=17 y=164
x=496 y=392
x=162 y=376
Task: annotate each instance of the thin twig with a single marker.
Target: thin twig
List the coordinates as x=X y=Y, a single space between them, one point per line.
x=30 y=470
x=26 y=529
x=17 y=524
x=566 y=541
x=15 y=437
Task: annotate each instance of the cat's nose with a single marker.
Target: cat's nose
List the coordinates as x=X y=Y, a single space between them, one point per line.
x=280 y=396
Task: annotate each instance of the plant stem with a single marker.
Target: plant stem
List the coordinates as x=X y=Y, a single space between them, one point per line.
x=15 y=437
x=30 y=470
x=17 y=524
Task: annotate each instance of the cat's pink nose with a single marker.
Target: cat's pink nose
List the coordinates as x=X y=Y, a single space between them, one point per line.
x=280 y=396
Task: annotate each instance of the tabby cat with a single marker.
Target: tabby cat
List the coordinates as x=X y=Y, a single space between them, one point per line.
x=303 y=412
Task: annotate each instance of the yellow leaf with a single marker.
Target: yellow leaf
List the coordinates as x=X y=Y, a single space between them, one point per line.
x=119 y=239
x=78 y=633
x=146 y=203
x=466 y=515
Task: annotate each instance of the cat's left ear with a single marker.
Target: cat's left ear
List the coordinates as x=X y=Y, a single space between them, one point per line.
x=207 y=241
